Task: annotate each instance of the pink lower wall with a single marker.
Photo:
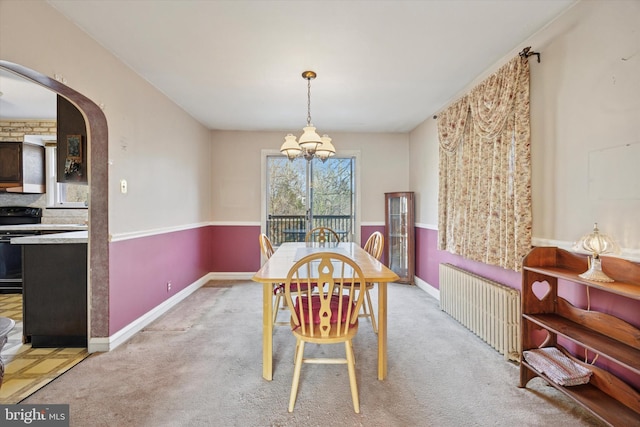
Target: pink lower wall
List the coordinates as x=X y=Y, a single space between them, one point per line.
x=235 y=248
x=428 y=258
x=140 y=268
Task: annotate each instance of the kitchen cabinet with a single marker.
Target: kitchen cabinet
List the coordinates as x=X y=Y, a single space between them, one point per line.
x=22 y=167
x=399 y=242
x=55 y=294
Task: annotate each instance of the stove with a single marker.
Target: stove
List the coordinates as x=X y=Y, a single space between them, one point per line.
x=11 y=255
x=16 y=215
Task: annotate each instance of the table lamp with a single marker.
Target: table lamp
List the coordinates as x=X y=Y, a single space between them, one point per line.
x=596 y=244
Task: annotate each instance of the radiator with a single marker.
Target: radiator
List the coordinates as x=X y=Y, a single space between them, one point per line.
x=487 y=308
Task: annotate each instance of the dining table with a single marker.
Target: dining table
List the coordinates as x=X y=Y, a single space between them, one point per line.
x=276 y=269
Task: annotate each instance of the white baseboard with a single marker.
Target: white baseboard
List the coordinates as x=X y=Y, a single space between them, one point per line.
x=427 y=288
x=231 y=276
x=109 y=343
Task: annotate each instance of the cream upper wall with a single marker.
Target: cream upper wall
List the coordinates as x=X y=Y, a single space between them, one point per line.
x=585 y=97
x=161 y=151
x=423 y=166
x=384 y=164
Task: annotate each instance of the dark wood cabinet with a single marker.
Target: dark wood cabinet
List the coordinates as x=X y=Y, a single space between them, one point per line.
x=55 y=294
x=399 y=241
x=606 y=395
x=72 y=143
x=22 y=167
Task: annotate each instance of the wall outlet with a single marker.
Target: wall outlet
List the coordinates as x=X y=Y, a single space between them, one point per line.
x=123 y=186
x=168 y=286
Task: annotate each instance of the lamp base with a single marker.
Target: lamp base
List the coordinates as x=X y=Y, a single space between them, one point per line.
x=595 y=272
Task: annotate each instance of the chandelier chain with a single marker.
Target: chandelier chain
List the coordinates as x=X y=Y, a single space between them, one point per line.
x=308 y=102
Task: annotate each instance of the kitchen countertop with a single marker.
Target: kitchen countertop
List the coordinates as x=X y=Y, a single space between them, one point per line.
x=51 y=239
x=43 y=227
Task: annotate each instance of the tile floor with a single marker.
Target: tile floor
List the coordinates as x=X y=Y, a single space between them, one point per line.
x=29 y=369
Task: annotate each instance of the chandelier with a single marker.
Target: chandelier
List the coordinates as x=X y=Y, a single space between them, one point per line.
x=310 y=144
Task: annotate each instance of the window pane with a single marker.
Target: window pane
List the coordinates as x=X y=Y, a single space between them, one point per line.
x=74 y=193
x=332 y=204
x=286 y=199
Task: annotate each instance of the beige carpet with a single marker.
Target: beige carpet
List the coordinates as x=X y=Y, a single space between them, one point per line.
x=200 y=365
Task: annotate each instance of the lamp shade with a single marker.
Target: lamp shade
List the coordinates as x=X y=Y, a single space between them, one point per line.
x=290 y=147
x=310 y=140
x=597 y=243
x=326 y=149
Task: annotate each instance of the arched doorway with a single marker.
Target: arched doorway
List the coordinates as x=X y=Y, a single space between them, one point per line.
x=97 y=137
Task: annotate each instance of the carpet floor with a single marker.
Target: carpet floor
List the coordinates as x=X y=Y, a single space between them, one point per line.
x=200 y=364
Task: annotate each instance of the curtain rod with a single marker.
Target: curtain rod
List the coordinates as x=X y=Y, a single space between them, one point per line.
x=526 y=53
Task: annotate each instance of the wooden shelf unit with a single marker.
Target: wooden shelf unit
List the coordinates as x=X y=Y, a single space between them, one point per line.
x=606 y=396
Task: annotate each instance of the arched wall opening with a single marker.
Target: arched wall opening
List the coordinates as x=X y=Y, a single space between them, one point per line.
x=98 y=247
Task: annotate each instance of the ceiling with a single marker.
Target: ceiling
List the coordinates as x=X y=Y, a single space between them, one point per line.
x=21 y=99
x=383 y=66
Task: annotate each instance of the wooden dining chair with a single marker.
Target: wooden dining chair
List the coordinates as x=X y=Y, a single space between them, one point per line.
x=278 y=289
x=322 y=235
x=373 y=246
x=325 y=311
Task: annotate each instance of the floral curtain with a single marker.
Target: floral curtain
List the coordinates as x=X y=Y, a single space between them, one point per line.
x=484 y=211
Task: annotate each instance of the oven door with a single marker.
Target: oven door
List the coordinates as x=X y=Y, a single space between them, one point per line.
x=11 y=263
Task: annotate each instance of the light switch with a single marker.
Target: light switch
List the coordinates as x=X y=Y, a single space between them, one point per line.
x=123 y=186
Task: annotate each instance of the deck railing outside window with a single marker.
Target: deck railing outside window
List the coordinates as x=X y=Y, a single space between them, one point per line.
x=291 y=228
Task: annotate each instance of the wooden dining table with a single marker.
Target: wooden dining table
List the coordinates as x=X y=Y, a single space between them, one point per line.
x=277 y=267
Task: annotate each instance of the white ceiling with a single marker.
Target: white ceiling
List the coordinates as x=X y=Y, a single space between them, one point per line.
x=383 y=66
x=21 y=99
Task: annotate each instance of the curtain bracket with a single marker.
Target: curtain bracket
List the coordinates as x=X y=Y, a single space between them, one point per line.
x=526 y=53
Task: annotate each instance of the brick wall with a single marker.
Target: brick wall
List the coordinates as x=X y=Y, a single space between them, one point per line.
x=15 y=130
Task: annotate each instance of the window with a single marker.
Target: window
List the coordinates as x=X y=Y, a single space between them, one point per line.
x=59 y=194
x=302 y=195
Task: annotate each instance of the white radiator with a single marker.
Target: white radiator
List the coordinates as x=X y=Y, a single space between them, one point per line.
x=487 y=308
